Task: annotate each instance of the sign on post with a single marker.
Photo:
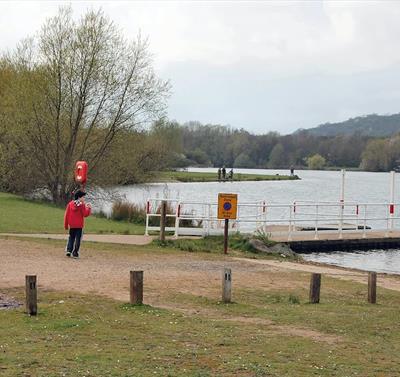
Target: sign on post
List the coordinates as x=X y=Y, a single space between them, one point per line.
x=227 y=209
x=227 y=206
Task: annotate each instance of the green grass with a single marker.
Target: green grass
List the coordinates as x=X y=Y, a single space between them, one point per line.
x=258 y=335
x=238 y=245
x=18 y=215
x=184 y=176
x=209 y=244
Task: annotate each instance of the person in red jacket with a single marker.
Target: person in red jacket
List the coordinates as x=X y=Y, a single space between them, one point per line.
x=74 y=219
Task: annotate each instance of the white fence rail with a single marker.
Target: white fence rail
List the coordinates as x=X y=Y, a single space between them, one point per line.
x=200 y=218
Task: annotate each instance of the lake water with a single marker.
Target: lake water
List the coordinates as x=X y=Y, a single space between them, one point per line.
x=319 y=186
x=314 y=185
x=387 y=261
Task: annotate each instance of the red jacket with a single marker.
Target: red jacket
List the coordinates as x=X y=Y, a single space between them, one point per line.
x=75 y=213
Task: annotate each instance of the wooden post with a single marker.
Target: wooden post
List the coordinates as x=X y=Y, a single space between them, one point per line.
x=226 y=229
x=372 y=287
x=315 y=286
x=227 y=285
x=31 y=294
x=163 y=220
x=136 y=288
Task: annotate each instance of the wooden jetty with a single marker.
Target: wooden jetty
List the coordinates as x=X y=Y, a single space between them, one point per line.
x=305 y=241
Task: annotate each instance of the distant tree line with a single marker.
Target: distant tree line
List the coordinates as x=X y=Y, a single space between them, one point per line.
x=217 y=145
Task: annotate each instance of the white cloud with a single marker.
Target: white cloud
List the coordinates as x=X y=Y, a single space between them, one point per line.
x=282 y=34
x=250 y=44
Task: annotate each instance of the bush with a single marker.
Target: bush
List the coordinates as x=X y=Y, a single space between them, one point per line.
x=293 y=299
x=209 y=244
x=264 y=237
x=125 y=211
x=134 y=213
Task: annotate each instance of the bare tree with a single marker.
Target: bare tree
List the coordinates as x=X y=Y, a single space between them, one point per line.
x=81 y=84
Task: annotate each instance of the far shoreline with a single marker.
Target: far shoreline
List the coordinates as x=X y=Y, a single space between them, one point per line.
x=186 y=177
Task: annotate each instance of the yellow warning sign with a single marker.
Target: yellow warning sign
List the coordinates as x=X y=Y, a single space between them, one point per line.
x=227 y=206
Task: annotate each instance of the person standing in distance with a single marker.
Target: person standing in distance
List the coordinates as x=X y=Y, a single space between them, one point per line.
x=74 y=220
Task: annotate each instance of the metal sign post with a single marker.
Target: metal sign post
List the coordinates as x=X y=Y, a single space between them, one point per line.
x=227 y=209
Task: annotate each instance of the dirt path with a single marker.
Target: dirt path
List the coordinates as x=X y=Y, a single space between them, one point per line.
x=107 y=274
x=107 y=238
x=166 y=275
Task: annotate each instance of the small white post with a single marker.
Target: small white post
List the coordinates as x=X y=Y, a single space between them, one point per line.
x=146 y=232
x=391 y=208
x=365 y=221
x=237 y=219
x=341 y=209
x=294 y=216
x=265 y=212
x=290 y=224
x=259 y=215
x=316 y=222
x=177 y=216
x=343 y=172
x=357 y=216
x=204 y=225
x=209 y=219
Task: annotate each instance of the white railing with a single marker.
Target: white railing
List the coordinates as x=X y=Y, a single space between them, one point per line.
x=200 y=218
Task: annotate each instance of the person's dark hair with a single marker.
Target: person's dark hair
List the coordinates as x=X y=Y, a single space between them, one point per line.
x=78 y=194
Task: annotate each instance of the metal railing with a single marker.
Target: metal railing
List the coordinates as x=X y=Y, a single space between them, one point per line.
x=200 y=218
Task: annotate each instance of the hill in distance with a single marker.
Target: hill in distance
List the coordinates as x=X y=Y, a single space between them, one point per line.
x=372 y=125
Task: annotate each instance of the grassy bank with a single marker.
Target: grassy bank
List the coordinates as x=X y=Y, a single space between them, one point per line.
x=184 y=176
x=18 y=215
x=265 y=333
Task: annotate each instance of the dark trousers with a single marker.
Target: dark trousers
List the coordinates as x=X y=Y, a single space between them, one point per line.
x=74 y=240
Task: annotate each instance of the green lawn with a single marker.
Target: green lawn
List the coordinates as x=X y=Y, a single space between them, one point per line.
x=18 y=215
x=264 y=333
x=184 y=176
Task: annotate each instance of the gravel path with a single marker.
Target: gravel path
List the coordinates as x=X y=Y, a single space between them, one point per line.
x=106 y=238
x=107 y=273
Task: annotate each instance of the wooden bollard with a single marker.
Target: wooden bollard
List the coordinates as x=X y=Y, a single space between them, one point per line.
x=31 y=294
x=227 y=285
x=136 y=288
x=163 y=220
x=372 y=287
x=315 y=287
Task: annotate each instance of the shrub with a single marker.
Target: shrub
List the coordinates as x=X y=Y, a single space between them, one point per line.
x=125 y=211
x=293 y=299
x=134 y=213
x=264 y=237
x=209 y=244
x=101 y=214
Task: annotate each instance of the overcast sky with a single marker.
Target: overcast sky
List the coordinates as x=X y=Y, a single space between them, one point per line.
x=264 y=66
